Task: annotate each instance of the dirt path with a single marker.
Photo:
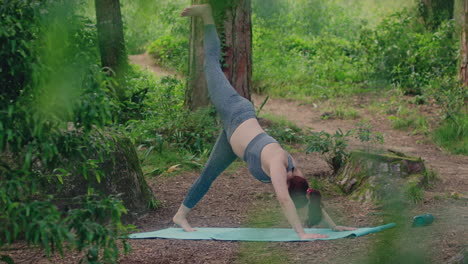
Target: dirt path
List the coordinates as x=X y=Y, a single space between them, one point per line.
x=145 y=61
x=235 y=193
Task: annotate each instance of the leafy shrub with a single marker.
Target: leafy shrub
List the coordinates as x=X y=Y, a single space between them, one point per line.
x=305 y=63
x=165 y=122
x=18 y=28
x=448 y=94
x=403 y=52
x=58 y=97
x=93 y=227
x=170 y=52
x=332 y=147
x=364 y=133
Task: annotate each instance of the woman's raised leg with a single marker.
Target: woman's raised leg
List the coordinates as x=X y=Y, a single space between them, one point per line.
x=221 y=92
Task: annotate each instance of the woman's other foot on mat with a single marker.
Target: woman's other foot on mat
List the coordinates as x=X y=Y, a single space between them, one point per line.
x=203 y=11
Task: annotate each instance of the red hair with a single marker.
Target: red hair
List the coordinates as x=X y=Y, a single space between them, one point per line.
x=298 y=189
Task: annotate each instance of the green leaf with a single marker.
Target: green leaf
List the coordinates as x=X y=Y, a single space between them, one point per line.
x=6 y=259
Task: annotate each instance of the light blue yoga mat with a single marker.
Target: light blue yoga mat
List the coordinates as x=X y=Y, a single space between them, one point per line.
x=254 y=234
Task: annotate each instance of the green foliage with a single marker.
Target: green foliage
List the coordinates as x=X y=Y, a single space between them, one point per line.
x=434 y=13
x=58 y=103
x=430 y=176
x=97 y=228
x=167 y=124
x=338 y=52
x=345 y=113
x=452 y=134
x=450 y=95
x=414 y=193
x=409 y=56
x=28 y=215
x=146 y=20
x=170 y=52
x=283 y=130
x=406 y=119
x=332 y=147
x=17 y=28
x=364 y=133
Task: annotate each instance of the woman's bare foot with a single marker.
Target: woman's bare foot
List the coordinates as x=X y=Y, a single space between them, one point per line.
x=180 y=218
x=182 y=222
x=197 y=10
x=203 y=11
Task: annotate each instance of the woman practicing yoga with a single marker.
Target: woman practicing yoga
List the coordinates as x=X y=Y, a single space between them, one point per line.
x=243 y=137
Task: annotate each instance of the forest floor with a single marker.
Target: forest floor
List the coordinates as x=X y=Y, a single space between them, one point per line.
x=237 y=199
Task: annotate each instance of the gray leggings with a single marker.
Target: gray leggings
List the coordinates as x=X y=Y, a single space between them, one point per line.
x=233 y=109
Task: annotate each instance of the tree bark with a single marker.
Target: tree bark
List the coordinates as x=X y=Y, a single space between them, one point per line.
x=463 y=74
x=238 y=47
x=111 y=39
x=234 y=27
x=196 y=95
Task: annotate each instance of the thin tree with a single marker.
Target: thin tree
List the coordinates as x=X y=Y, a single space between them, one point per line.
x=463 y=74
x=111 y=39
x=233 y=18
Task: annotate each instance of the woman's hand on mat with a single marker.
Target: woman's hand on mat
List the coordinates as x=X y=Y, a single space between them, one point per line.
x=343 y=228
x=311 y=236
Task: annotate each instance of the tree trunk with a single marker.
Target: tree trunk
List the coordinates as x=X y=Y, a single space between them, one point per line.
x=434 y=12
x=234 y=28
x=122 y=176
x=111 y=39
x=463 y=74
x=238 y=47
x=196 y=95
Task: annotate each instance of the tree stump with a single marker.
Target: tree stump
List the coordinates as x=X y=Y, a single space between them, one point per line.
x=372 y=177
x=122 y=176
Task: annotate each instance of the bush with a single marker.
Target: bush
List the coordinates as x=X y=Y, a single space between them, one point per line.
x=57 y=96
x=165 y=121
x=332 y=147
x=403 y=52
x=18 y=30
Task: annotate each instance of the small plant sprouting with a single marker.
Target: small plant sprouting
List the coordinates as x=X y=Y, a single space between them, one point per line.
x=365 y=135
x=332 y=147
